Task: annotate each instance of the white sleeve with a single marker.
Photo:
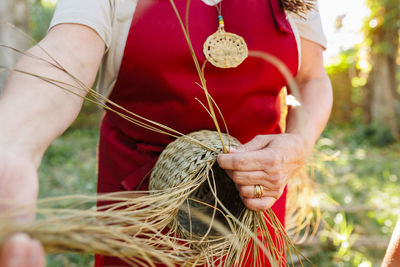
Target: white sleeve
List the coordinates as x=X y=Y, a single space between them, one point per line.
x=310 y=27
x=96 y=14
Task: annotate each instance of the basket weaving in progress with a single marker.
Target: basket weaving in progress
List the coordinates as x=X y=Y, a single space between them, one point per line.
x=210 y=193
x=182 y=161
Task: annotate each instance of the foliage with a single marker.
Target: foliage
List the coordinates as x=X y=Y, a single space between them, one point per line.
x=343 y=62
x=358 y=76
x=361 y=180
x=70 y=167
x=338 y=72
x=385 y=17
x=373 y=134
x=40 y=16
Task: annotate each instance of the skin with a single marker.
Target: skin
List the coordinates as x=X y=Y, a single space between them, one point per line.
x=267 y=160
x=392 y=256
x=24 y=138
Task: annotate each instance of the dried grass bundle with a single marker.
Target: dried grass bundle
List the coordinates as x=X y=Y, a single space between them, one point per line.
x=205 y=225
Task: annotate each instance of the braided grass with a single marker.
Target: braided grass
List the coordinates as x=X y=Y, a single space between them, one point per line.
x=181 y=163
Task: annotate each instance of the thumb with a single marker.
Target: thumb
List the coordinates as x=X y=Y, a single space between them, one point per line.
x=21 y=250
x=257 y=143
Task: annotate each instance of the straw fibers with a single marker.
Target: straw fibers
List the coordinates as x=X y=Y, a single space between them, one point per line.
x=202 y=228
x=225 y=49
x=192 y=214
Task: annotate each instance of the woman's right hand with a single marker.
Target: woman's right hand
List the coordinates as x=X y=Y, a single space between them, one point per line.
x=19 y=187
x=22 y=251
x=33 y=112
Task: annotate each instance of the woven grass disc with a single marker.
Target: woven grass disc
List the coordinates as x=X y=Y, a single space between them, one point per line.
x=225 y=49
x=183 y=162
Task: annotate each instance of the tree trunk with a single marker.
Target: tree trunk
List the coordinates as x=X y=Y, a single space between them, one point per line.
x=383 y=98
x=14 y=12
x=382 y=83
x=343 y=107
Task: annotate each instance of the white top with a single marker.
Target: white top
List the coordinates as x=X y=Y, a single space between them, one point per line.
x=111 y=19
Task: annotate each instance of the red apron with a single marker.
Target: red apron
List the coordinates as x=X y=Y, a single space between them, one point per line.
x=157 y=80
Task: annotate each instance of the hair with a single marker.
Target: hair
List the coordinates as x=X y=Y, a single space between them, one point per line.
x=299 y=7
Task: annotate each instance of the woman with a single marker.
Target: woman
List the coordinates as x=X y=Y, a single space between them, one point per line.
x=148 y=69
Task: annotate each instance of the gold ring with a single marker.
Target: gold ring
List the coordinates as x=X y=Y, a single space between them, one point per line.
x=258 y=191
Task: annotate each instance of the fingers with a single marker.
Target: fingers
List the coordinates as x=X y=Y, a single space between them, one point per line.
x=259 y=204
x=267 y=160
x=272 y=188
x=254 y=155
x=269 y=181
x=22 y=251
x=249 y=192
x=257 y=143
x=251 y=161
x=37 y=254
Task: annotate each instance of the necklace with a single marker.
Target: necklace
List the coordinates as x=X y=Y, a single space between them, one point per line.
x=224 y=49
x=227 y=50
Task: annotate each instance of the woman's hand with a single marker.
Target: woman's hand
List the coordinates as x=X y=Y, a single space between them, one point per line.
x=267 y=160
x=33 y=112
x=22 y=251
x=19 y=185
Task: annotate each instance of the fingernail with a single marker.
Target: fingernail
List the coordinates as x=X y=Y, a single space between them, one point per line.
x=19 y=238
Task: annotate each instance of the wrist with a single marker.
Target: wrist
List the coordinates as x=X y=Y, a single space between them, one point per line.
x=20 y=148
x=305 y=140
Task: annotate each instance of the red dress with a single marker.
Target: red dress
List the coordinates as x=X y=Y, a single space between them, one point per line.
x=157 y=80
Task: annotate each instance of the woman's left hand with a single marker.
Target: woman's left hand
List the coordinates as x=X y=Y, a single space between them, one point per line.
x=268 y=161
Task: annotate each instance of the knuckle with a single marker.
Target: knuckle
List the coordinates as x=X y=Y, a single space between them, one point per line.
x=275 y=188
x=236 y=177
x=241 y=190
x=238 y=162
x=275 y=160
x=264 y=161
x=275 y=194
x=275 y=180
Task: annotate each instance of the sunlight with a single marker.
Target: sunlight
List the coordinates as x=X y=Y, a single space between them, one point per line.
x=342 y=21
x=49 y=3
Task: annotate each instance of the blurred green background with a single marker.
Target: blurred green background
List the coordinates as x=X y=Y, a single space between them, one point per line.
x=356 y=159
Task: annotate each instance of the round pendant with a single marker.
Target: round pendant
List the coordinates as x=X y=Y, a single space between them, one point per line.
x=225 y=49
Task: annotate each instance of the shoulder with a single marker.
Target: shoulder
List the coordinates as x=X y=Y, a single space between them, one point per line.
x=96 y=14
x=111 y=20
x=310 y=26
